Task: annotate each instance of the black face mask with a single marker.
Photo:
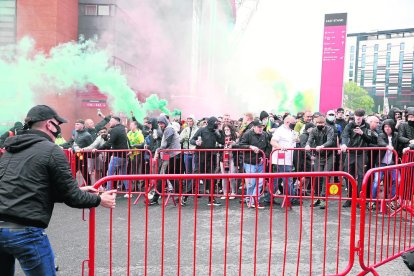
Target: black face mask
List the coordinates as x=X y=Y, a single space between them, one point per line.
x=58 y=130
x=320 y=127
x=411 y=123
x=292 y=126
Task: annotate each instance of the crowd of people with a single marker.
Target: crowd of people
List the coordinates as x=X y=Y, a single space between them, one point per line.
x=184 y=146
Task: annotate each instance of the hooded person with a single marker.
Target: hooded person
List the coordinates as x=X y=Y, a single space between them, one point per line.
x=205 y=161
x=387 y=138
x=18 y=126
x=395 y=114
x=35 y=174
x=269 y=125
x=406 y=129
x=170 y=159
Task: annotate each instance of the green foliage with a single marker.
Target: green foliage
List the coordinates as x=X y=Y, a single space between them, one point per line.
x=357 y=97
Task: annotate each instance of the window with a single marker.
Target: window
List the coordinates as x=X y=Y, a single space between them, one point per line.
x=103 y=10
x=98 y=10
x=91 y=9
x=7 y=22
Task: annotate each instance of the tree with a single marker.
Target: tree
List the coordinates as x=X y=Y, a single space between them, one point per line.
x=357 y=97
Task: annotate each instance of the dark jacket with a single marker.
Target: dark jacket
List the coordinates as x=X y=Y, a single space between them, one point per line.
x=406 y=133
x=209 y=136
x=153 y=144
x=34 y=174
x=391 y=113
x=262 y=141
x=18 y=127
x=118 y=139
x=82 y=138
x=354 y=140
x=343 y=124
x=93 y=131
x=324 y=137
x=396 y=140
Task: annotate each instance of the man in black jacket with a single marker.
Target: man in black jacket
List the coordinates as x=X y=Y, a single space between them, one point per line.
x=118 y=140
x=406 y=130
x=35 y=174
x=323 y=136
x=205 y=161
x=357 y=134
x=259 y=142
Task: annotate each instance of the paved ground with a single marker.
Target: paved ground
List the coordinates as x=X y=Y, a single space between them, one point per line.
x=69 y=237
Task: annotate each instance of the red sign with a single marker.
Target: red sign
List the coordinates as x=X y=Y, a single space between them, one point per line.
x=333 y=58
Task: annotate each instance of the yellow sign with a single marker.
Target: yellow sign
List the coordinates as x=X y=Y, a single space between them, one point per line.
x=333 y=189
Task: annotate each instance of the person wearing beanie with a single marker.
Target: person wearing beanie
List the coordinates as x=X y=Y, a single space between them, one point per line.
x=265 y=119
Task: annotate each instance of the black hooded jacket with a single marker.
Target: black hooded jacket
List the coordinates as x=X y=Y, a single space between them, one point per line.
x=16 y=129
x=391 y=114
x=396 y=141
x=405 y=131
x=34 y=174
x=209 y=136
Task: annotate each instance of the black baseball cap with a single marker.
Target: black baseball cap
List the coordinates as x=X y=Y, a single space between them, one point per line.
x=258 y=123
x=41 y=113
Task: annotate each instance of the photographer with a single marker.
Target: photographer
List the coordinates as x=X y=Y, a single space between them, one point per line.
x=357 y=134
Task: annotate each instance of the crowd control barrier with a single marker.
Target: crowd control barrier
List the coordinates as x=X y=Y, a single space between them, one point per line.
x=386 y=221
x=238 y=237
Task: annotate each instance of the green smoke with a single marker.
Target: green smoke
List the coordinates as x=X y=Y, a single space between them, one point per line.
x=25 y=72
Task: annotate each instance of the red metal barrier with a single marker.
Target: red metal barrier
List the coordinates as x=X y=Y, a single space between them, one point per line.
x=408 y=156
x=355 y=161
x=386 y=228
x=226 y=239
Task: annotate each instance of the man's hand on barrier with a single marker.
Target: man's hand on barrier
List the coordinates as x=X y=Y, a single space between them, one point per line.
x=406 y=149
x=344 y=148
x=254 y=148
x=307 y=147
x=90 y=189
x=318 y=148
x=108 y=199
x=390 y=147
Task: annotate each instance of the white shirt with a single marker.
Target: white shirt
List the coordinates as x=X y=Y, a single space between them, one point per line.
x=286 y=138
x=387 y=159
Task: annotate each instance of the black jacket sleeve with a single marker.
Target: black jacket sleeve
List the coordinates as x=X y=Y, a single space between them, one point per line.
x=195 y=137
x=102 y=123
x=330 y=139
x=65 y=188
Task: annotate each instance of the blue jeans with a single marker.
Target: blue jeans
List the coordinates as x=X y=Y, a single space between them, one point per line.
x=120 y=164
x=31 y=247
x=378 y=176
x=284 y=169
x=189 y=168
x=252 y=189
